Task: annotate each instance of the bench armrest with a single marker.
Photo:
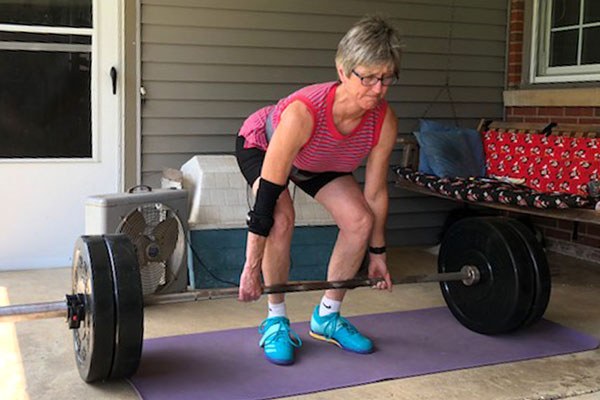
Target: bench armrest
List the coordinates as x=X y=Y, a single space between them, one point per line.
x=410 y=153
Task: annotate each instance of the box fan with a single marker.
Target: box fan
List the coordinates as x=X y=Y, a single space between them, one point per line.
x=156 y=222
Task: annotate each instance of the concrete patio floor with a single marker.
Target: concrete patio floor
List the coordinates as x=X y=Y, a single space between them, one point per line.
x=37 y=359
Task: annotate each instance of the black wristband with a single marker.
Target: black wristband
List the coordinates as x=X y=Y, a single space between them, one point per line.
x=377 y=250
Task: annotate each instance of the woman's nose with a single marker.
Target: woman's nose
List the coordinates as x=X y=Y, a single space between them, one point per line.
x=378 y=87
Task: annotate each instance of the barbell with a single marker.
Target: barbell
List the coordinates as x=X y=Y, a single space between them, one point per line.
x=493 y=275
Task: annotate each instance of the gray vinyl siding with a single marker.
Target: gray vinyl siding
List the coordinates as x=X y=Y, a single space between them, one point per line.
x=208 y=64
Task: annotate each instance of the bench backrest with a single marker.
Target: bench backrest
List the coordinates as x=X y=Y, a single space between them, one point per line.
x=570 y=130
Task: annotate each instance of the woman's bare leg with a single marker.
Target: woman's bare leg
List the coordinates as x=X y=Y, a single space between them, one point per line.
x=344 y=200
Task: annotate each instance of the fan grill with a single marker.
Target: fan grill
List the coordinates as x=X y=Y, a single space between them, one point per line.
x=141 y=226
x=153 y=214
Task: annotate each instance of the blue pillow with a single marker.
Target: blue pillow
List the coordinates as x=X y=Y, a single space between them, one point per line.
x=426 y=125
x=475 y=143
x=448 y=153
x=424 y=166
x=475 y=156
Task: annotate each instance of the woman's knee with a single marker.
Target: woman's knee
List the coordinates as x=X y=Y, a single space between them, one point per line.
x=283 y=225
x=358 y=222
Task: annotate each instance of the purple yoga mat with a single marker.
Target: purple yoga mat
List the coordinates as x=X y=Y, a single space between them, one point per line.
x=229 y=364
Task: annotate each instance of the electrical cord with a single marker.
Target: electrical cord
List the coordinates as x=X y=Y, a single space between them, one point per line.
x=215 y=277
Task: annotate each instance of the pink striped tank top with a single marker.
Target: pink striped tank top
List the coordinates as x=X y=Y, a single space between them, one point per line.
x=327 y=149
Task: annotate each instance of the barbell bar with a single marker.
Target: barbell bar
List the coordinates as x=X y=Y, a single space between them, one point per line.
x=469 y=275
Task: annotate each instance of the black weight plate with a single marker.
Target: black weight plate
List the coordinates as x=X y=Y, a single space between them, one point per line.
x=502 y=299
x=542 y=279
x=94 y=339
x=129 y=316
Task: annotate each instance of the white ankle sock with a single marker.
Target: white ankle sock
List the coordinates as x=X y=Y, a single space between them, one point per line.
x=329 y=306
x=277 y=310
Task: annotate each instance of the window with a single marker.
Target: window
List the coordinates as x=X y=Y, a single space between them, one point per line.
x=565 y=36
x=45 y=79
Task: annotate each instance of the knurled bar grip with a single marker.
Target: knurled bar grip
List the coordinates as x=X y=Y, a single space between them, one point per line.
x=24 y=312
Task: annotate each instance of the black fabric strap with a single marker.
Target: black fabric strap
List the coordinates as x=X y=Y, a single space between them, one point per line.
x=260 y=219
x=377 y=250
x=259 y=224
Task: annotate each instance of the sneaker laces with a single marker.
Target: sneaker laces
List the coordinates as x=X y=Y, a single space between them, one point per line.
x=283 y=332
x=335 y=323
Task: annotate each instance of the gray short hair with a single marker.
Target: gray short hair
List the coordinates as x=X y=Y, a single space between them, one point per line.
x=372 y=41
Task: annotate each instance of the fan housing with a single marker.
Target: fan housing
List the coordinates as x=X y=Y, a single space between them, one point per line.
x=155 y=222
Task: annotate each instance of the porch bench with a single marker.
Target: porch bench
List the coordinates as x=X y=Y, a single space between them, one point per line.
x=582 y=207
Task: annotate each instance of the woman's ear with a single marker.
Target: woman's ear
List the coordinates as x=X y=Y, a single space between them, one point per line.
x=340 y=71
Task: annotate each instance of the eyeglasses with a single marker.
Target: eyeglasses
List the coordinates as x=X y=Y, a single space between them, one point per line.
x=371 y=80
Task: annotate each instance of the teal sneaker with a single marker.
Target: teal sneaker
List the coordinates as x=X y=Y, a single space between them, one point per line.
x=334 y=328
x=278 y=340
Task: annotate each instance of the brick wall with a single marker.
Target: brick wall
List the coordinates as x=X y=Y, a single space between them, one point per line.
x=564 y=115
x=585 y=234
x=515 y=43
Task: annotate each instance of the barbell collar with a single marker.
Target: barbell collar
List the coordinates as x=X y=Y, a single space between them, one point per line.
x=469 y=275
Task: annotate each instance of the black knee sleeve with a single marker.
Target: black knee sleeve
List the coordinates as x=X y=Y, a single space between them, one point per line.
x=260 y=218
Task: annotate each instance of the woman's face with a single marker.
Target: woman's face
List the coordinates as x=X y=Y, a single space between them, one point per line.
x=360 y=84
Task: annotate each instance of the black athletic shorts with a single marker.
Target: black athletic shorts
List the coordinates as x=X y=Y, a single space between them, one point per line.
x=251 y=161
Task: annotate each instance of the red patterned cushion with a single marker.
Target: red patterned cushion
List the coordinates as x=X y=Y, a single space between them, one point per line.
x=546 y=163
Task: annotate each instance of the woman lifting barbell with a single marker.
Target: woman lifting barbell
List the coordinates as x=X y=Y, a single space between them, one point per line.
x=316 y=137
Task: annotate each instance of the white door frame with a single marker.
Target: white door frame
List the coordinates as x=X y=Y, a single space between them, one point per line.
x=44 y=199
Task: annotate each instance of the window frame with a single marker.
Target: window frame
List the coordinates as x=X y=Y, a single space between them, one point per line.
x=59 y=47
x=539 y=71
